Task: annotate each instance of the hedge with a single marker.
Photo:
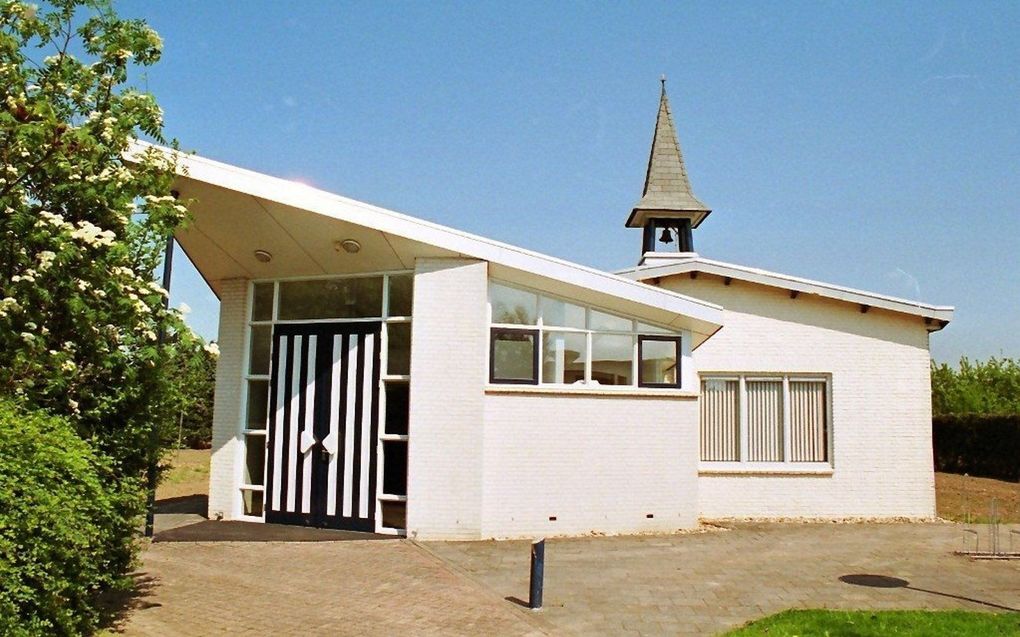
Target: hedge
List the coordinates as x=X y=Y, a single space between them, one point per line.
x=978 y=444
x=67 y=527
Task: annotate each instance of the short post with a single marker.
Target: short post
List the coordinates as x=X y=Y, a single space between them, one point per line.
x=537 y=574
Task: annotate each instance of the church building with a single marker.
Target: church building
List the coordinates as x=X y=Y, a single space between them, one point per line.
x=383 y=373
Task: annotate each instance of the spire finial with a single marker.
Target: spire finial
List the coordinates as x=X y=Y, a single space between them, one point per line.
x=662 y=79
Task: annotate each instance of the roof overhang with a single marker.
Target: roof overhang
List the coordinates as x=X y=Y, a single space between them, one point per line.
x=936 y=316
x=639 y=217
x=237 y=211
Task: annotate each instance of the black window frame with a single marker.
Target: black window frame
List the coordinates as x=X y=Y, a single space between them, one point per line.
x=535 y=355
x=676 y=340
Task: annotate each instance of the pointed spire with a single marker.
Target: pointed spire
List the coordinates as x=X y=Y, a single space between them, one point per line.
x=667 y=187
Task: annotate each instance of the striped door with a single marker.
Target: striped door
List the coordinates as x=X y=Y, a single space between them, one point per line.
x=324 y=406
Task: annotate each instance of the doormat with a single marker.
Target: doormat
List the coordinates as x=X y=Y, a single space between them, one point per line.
x=213 y=531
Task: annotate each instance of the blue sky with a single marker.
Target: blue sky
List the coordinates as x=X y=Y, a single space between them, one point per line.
x=875 y=145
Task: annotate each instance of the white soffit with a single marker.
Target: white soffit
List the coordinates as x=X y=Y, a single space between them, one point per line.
x=606 y=288
x=943 y=313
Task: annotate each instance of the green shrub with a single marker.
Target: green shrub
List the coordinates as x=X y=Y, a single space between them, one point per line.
x=67 y=527
x=978 y=444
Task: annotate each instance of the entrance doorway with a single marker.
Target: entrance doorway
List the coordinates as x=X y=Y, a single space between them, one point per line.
x=323 y=425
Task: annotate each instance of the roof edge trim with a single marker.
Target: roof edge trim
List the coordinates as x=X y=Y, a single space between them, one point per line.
x=793 y=283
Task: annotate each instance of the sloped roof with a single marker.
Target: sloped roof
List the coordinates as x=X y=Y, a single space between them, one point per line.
x=667 y=186
x=938 y=316
x=682 y=312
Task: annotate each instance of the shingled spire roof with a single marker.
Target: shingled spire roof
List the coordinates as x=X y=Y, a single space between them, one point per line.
x=667 y=187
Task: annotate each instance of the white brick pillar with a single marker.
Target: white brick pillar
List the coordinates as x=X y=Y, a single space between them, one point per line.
x=449 y=337
x=226 y=427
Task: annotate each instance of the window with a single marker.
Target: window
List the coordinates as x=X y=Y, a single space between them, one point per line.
x=612 y=359
x=539 y=339
x=564 y=356
x=765 y=419
x=356 y=297
x=659 y=358
x=514 y=356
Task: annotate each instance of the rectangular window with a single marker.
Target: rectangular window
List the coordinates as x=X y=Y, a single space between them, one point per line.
x=259 y=352
x=252 y=502
x=255 y=459
x=397 y=405
x=513 y=306
x=401 y=293
x=765 y=419
x=359 y=297
x=258 y=404
x=514 y=356
x=808 y=427
x=720 y=420
x=398 y=351
x=557 y=313
x=262 y=302
x=564 y=355
x=537 y=338
x=659 y=358
x=612 y=357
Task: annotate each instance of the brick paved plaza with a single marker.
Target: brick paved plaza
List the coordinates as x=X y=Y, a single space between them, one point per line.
x=697 y=584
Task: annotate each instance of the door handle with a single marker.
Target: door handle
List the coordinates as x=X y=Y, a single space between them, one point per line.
x=307 y=441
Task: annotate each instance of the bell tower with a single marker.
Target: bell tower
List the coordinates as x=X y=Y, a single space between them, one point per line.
x=668 y=210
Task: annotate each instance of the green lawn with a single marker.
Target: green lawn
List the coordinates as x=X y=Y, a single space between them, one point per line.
x=838 y=623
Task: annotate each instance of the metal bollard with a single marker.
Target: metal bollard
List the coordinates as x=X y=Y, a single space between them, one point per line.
x=537 y=574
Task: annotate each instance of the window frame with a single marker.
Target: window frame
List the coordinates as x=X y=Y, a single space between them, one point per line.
x=536 y=339
x=638 y=328
x=677 y=342
x=742 y=465
x=386 y=318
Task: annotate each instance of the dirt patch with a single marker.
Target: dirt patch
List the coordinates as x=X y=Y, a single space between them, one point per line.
x=188 y=475
x=958 y=497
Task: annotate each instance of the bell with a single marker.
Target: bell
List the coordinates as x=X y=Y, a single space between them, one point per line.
x=666 y=237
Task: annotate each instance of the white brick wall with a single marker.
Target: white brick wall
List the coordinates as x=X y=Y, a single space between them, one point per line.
x=224 y=470
x=598 y=464
x=449 y=336
x=881 y=401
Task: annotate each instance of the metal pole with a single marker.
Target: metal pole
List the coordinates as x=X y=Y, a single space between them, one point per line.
x=151 y=470
x=537 y=574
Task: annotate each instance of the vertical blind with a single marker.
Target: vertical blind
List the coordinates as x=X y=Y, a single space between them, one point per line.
x=765 y=420
x=720 y=420
x=771 y=413
x=807 y=421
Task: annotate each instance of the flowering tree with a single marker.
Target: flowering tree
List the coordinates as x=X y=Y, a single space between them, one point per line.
x=81 y=228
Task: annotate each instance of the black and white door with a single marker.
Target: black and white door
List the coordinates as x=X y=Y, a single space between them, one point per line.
x=324 y=423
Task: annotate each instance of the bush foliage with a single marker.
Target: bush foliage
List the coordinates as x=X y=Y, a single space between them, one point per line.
x=66 y=526
x=989 y=387
x=980 y=445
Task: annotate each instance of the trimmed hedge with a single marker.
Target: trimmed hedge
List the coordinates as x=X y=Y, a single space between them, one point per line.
x=67 y=527
x=978 y=444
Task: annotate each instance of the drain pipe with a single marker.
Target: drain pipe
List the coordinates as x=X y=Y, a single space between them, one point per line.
x=151 y=470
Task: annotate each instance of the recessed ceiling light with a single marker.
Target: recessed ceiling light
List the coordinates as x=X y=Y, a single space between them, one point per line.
x=348 y=245
x=263 y=256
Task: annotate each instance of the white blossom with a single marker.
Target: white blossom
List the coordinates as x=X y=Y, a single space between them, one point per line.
x=68 y=366
x=46 y=258
x=184 y=309
x=212 y=348
x=28 y=337
x=93 y=235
